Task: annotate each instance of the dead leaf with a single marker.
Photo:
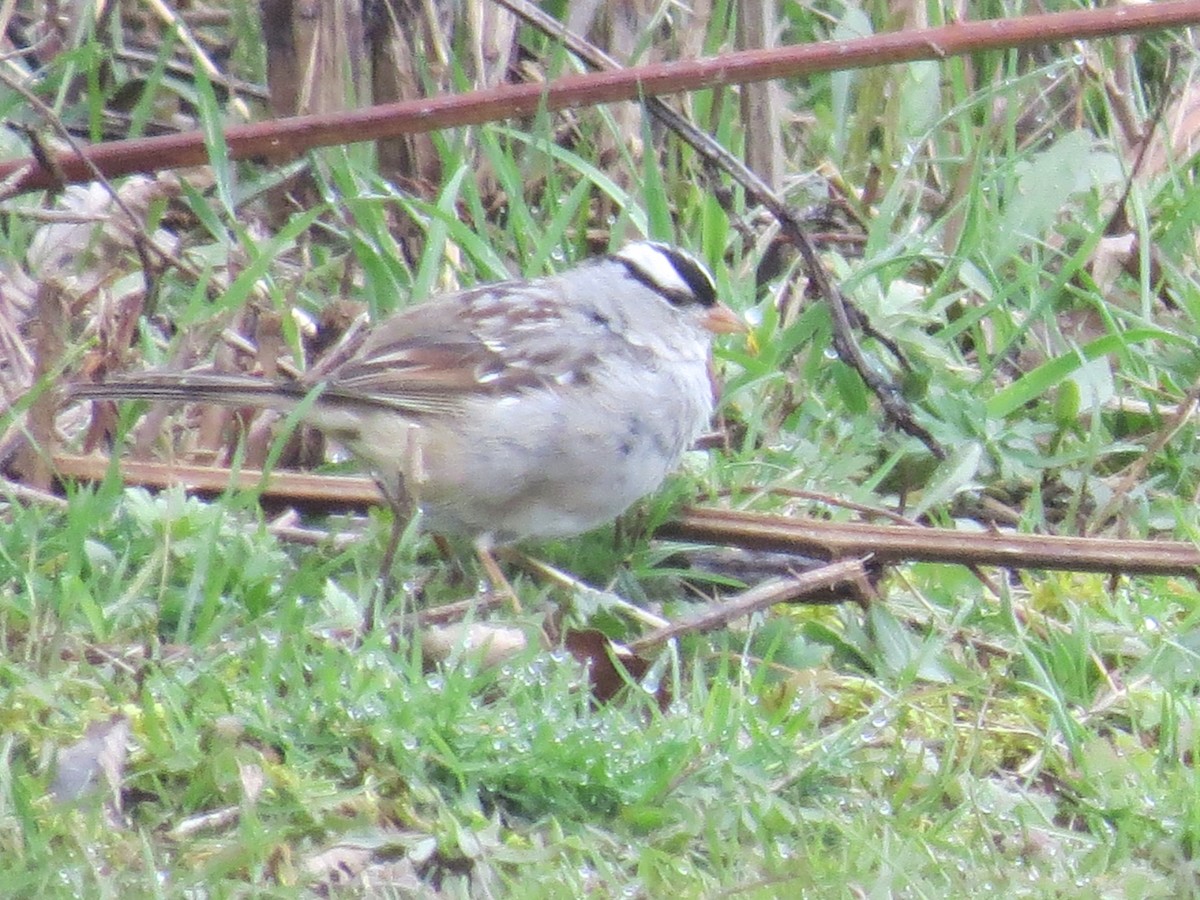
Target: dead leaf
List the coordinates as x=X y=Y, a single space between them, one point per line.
x=99 y=756
x=338 y=865
x=490 y=644
x=253 y=779
x=609 y=665
x=210 y=821
x=1176 y=139
x=383 y=859
x=1110 y=259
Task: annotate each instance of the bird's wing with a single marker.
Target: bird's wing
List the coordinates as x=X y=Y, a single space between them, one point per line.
x=502 y=339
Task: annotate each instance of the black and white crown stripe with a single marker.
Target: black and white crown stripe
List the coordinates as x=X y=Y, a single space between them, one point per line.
x=675 y=274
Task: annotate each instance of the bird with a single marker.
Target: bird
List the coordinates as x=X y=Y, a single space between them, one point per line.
x=522 y=409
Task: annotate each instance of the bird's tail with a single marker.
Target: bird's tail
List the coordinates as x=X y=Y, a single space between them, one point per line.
x=226 y=390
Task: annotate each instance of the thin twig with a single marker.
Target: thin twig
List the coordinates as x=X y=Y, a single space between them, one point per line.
x=760 y=597
x=27 y=494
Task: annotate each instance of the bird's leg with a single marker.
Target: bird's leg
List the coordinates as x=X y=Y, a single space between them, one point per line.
x=402 y=513
x=403 y=504
x=491 y=569
x=385 y=582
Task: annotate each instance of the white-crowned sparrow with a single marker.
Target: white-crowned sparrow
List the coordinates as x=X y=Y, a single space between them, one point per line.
x=522 y=409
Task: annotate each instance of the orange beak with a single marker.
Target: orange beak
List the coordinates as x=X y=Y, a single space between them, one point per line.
x=723 y=320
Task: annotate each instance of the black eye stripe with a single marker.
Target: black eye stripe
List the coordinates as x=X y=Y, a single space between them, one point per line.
x=675 y=297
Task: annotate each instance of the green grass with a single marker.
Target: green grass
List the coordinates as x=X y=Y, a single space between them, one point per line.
x=933 y=745
x=947 y=741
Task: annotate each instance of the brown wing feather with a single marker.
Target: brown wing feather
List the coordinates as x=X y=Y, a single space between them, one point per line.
x=502 y=339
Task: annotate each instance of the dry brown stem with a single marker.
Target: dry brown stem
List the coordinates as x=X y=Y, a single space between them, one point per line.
x=884 y=544
x=296 y=135
x=897 y=543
